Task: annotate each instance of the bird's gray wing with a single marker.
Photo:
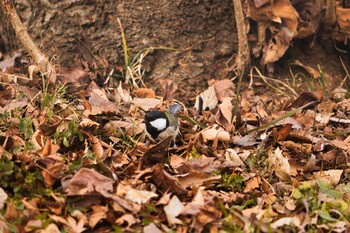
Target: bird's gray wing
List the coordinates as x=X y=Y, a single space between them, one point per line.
x=173 y=109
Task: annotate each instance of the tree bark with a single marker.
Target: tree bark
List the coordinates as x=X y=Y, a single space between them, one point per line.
x=201 y=31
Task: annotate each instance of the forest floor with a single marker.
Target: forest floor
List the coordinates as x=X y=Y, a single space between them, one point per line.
x=269 y=155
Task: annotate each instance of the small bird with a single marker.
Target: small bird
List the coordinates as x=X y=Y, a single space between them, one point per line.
x=161 y=125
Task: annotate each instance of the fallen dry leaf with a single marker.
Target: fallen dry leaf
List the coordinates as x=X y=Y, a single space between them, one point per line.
x=144 y=93
x=100 y=104
x=146 y=104
x=3 y=198
x=196 y=205
x=252 y=184
x=169 y=88
x=342 y=32
x=52 y=169
x=98 y=213
x=203 y=165
x=35 y=223
x=310 y=13
x=87 y=181
x=165 y=181
x=206 y=100
x=156 y=154
x=139 y=196
x=306 y=98
x=224 y=88
x=330 y=176
x=300 y=148
x=279 y=164
x=224 y=116
x=286 y=17
x=173 y=209
x=286 y=221
x=231 y=155
x=51 y=228
x=122 y=95
x=215 y=133
x=195 y=179
x=151 y=228
x=129 y=219
x=95 y=145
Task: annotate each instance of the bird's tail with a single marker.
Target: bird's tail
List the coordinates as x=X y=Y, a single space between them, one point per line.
x=173 y=109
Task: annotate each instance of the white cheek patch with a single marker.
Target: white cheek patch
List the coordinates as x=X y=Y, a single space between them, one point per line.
x=159 y=124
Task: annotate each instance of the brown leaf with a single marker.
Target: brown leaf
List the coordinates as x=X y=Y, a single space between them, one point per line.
x=294 y=221
x=259 y=3
x=176 y=161
x=122 y=95
x=283 y=133
x=247 y=141
x=252 y=184
x=120 y=203
x=75 y=76
x=282 y=12
x=232 y=155
x=11 y=211
x=279 y=164
x=311 y=164
x=87 y=124
x=34 y=223
x=311 y=71
x=9 y=60
x=195 y=179
x=51 y=228
x=87 y=181
x=3 y=198
x=96 y=145
x=151 y=228
x=165 y=181
x=203 y=165
x=144 y=93
x=169 y=88
x=5 y=97
x=299 y=148
x=224 y=116
x=146 y=104
x=173 y=209
x=129 y=219
x=100 y=104
x=224 y=88
x=330 y=176
x=310 y=18
x=212 y=134
x=49 y=148
x=196 y=205
x=52 y=169
x=343 y=31
x=305 y=98
x=48 y=129
x=206 y=100
x=139 y=196
x=17 y=103
x=98 y=213
x=156 y=154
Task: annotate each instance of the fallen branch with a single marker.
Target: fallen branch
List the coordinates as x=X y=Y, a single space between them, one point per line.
x=45 y=66
x=243 y=59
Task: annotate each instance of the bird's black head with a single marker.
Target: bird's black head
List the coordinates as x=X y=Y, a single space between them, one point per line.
x=156 y=122
x=154 y=115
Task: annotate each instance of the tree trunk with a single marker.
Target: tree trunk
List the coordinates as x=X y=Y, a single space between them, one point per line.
x=202 y=31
